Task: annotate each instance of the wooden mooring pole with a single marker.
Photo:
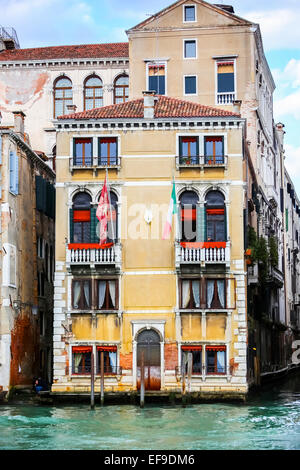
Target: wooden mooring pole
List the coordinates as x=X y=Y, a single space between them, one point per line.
x=92 y=382
x=102 y=378
x=142 y=394
x=189 y=371
x=183 y=383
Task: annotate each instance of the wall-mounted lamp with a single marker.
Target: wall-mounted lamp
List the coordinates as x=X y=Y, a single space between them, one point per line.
x=17 y=305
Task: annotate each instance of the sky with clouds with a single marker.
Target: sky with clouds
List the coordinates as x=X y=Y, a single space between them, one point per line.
x=56 y=22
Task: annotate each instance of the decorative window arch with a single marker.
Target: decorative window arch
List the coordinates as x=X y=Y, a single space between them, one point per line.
x=121 y=89
x=188 y=215
x=93 y=92
x=215 y=216
x=62 y=95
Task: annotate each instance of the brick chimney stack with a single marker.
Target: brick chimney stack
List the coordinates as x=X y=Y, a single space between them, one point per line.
x=19 y=118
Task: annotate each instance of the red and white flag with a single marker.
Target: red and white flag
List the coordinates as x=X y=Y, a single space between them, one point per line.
x=102 y=212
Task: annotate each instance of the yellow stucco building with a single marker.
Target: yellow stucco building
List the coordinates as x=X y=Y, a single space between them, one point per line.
x=175 y=300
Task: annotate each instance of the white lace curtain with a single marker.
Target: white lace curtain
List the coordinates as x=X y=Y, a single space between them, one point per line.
x=211 y=289
x=113 y=358
x=86 y=289
x=186 y=295
x=196 y=293
x=76 y=293
x=77 y=360
x=221 y=293
x=210 y=292
x=102 y=292
x=221 y=361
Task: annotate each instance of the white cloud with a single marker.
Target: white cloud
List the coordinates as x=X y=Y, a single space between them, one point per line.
x=279 y=27
x=289 y=105
x=292 y=161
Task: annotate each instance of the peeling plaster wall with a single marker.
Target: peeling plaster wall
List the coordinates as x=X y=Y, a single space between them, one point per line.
x=31 y=90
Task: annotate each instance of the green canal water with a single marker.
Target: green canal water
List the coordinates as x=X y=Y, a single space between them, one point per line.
x=269 y=420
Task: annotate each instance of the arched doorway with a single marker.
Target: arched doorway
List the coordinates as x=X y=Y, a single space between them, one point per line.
x=148 y=344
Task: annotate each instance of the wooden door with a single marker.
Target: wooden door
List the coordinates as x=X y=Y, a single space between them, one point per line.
x=148 y=345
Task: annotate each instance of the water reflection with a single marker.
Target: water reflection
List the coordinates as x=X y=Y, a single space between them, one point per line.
x=269 y=420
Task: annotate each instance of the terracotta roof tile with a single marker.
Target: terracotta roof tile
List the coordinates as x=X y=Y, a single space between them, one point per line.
x=70 y=52
x=165 y=107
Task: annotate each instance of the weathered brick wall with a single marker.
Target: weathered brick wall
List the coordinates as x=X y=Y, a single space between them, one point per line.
x=171 y=356
x=126 y=361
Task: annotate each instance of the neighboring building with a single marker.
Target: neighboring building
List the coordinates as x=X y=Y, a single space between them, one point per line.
x=44 y=81
x=292 y=232
x=142 y=293
x=27 y=217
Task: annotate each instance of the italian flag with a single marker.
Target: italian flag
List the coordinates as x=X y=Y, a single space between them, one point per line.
x=172 y=210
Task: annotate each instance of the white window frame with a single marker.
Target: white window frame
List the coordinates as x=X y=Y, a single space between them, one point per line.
x=94 y=143
x=196 y=48
x=157 y=62
x=183 y=13
x=201 y=139
x=184 y=91
x=6 y=280
x=107 y=136
x=217 y=61
x=213 y=134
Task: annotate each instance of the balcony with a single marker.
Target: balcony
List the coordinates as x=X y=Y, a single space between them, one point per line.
x=202 y=161
x=92 y=255
x=202 y=253
x=225 y=98
x=92 y=163
x=275 y=277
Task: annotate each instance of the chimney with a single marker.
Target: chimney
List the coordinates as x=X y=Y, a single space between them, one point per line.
x=19 y=117
x=71 y=108
x=280 y=132
x=149 y=102
x=237 y=106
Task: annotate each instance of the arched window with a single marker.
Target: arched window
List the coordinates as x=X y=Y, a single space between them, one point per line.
x=63 y=95
x=81 y=220
x=93 y=92
x=112 y=224
x=215 y=217
x=188 y=205
x=121 y=89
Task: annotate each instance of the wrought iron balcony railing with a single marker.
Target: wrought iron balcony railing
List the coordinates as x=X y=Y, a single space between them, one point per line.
x=202 y=161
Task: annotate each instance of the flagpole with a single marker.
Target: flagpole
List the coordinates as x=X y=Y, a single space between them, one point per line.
x=111 y=219
x=176 y=214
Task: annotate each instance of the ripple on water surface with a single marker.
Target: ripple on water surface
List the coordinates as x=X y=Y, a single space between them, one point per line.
x=268 y=421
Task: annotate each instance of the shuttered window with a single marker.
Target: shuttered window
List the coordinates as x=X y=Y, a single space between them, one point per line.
x=13 y=173
x=45 y=196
